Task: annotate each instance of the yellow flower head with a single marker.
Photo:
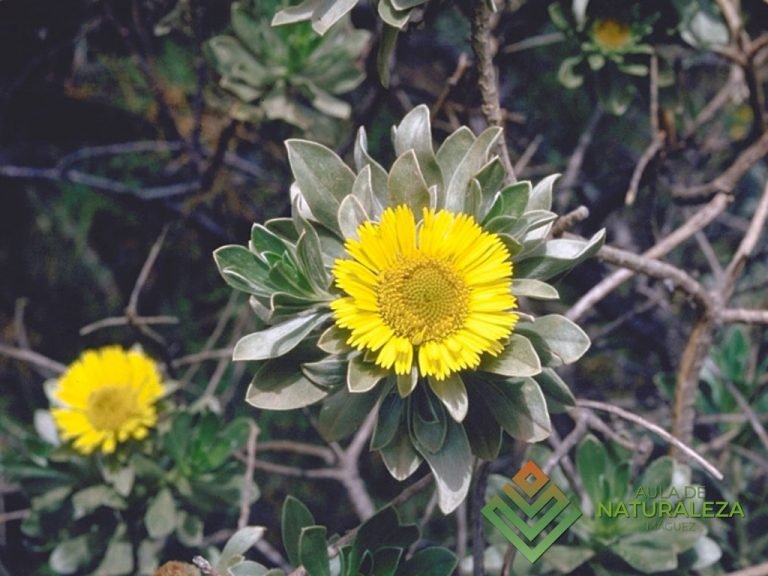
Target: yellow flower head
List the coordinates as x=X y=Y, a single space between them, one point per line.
x=436 y=295
x=107 y=396
x=611 y=34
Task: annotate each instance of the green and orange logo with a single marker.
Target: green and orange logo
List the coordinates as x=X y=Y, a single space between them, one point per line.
x=538 y=506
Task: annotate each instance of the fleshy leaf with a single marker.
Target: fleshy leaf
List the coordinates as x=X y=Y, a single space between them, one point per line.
x=277 y=340
x=517 y=359
x=322 y=177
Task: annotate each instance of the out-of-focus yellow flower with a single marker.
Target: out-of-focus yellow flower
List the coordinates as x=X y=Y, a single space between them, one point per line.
x=107 y=396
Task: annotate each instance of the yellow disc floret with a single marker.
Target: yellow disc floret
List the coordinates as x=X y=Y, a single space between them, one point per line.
x=436 y=294
x=106 y=397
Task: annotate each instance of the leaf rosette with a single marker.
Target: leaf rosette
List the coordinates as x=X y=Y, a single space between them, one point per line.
x=397 y=291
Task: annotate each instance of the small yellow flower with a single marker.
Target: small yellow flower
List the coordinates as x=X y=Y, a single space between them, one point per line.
x=611 y=34
x=436 y=295
x=107 y=396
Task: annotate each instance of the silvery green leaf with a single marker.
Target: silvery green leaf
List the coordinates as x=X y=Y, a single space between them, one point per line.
x=362 y=189
x=277 y=340
x=343 y=413
x=516 y=198
x=451 y=152
x=363 y=376
x=484 y=433
x=118 y=559
x=415 y=133
x=634 y=69
x=535 y=289
x=399 y=455
x=704 y=30
x=311 y=260
x=327 y=373
x=406 y=184
x=322 y=177
x=189 y=529
x=451 y=467
x=596 y=61
x=351 y=214
x=248 y=29
x=322 y=13
x=386 y=49
x=265 y=240
x=568 y=75
x=387 y=422
x=475 y=158
x=530 y=221
x=89 y=499
x=68 y=556
x=474 y=198
x=540 y=198
x=427 y=421
x=563 y=337
x=279 y=385
x=242 y=270
x=407 y=382
x=329 y=104
x=579 y=8
x=334 y=340
x=239 y=543
x=556 y=256
x=519 y=407
x=491 y=178
x=407 y=4
x=453 y=394
x=392 y=16
x=555 y=390
x=566 y=559
x=313 y=551
x=517 y=359
x=294 y=518
x=242 y=91
x=707 y=553
x=647 y=552
x=233 y=60
x=378 y=174
x=249 y=568
x=160 y=519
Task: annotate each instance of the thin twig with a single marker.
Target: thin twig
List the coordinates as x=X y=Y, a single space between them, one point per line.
x=114 y=321
x=528 y=154
x=663 y=434
x=726 y=182
x=461 y=67
x=752 y=417
x=649 y=154
x=743 y=316
x=661 y=270
x=700 y=340
x=246 y=492
x=34 y=358
x=692 y=225
x=482 y=45
x=565 y=446
x=567 y=221
x=133 y=302
x=572 y=170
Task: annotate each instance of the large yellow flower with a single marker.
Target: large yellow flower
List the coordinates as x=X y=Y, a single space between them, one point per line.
x=107 y=396
x=436 y=295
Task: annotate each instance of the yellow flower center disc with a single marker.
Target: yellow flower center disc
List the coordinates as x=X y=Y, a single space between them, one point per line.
x=110 y=407
x=422 y=299
x=612 y=34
